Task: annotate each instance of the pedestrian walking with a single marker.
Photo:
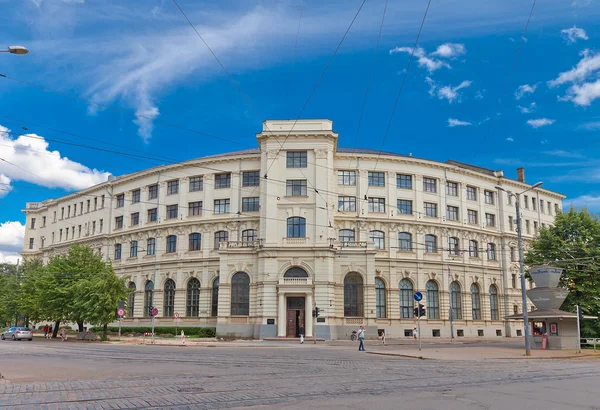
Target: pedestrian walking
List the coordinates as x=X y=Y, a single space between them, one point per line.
x=50 y=333
x=301 y=334
x=63 y=334
x=383 y=337
x=361 y=338
x=415 y=333
x=182 y=338
x=46 y=332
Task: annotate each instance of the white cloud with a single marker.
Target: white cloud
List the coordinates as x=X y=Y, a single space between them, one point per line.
x=486 y=119
x=10 y=257
x=453 y=122
x=586 y=66
x=564 y=154
x=583 y=94
x=451 y=93
x=573 y=34
x=144 y=118
x=527 y=110
x=431 y=64
x=540 y=122
x=48 y=168
x=510 y=139
x=11 y=236
x=524 y=89
x=449 y=50
x=591 y=202
x=590 y=126
x=5 y=187
x=479 y=94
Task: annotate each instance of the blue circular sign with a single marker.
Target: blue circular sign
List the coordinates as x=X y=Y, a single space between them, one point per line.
x=418 y=296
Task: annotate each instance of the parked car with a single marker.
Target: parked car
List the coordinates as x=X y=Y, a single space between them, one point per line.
x=17 y=333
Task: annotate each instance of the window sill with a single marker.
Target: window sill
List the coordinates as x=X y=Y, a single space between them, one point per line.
x=173 y=193
x=295 y=196
x=222 y=187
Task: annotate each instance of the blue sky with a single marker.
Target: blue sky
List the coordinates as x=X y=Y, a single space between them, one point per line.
x=466 y=97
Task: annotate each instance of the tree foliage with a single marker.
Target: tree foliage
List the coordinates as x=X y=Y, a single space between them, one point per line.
x=573 y=243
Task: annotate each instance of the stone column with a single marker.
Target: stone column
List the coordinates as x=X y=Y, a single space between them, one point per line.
x=308 y=319
x=281 y=316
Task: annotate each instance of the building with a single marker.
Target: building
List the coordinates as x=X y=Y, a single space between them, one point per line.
x=251 y=241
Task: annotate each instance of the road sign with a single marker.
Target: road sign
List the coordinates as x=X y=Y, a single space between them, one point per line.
x=120 y=312
x=154 y=312
x=418 y=296
x=176 y=315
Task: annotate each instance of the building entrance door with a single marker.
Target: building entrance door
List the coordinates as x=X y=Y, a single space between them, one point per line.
x=295 y=316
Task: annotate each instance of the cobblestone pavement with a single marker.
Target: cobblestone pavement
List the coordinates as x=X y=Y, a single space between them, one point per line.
x=51 y=375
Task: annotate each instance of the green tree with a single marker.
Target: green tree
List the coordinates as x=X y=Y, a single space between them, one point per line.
x=573 y=243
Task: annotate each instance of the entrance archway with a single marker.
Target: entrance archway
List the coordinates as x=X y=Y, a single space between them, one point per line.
x=295 y=317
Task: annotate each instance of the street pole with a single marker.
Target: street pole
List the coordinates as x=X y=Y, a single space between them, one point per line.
x=450 y=299
x=522 y=270
x=579 y=331
x=152 y=329
x=119 y=328
x=419 y=323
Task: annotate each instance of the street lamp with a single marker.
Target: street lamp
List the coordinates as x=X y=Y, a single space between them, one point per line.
x=20 y=50
x=522 y=260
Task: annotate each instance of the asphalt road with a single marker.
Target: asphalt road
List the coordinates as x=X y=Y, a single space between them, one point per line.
x=49 y=374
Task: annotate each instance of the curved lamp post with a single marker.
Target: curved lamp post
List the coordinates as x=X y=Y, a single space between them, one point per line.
x=20 y=50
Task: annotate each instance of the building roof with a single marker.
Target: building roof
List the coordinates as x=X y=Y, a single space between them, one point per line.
x=549 y=314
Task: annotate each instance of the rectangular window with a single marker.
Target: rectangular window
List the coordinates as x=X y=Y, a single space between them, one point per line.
x=296 y=187
x=88 y=206
x=514 y=282
x=81 y=208
x=173 y=187
x=490 y=220
x=223 y=180
x=196 y=184
x=62 y=213
x=171 y=244
x=94 y=226
x=75 y=210
x=347 y=203
x=151 y=246
x=32 y=224
x=403 y=181
x=133 y=249
x=514 y=257
x=69 y=211
x=511 y=225
x=120 y=200
x=221 y=206
x=195 y=208
x=405 y=207
x=526 y=201
x=135 y=218
x=153 y=191
x=95 y=203
x=489 y=197
x=60 y=234
x=472 y=216
x=541 y=206
x=430 y=209
x=527 y=227
x=152 y=215
x=377 y=205
x=43 y=221
x=31 y=243
x=251 y=178
x=347 y=178
x=471 y=193
x=117 y=251
x=296 y=159
x=451 y=188
x=376 y=178
x=533 y=203
x=491 y=251
x=172 y=211
x=549 y=208
x=118 y=222
x=250 y=204
x=103 y=201
x=79 y=233
x=535 y=227
x=135 y=196
x=429 y=185
x=509 y=198
x=452 y=213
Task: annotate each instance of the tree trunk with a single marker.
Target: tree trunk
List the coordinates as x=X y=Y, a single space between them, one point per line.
x=55 y=330
x=80 y=326
x=105 y=332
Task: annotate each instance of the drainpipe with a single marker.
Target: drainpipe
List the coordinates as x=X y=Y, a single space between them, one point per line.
x=502 y=260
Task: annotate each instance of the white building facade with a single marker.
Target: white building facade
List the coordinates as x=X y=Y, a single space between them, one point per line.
x=250 y=242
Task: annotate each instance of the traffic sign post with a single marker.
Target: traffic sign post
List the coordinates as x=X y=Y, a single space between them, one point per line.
x=176 y=320
x=154 y=313
x=418 y=298
x=120 y=314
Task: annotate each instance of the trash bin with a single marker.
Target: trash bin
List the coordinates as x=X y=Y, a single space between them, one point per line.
x=544 y=342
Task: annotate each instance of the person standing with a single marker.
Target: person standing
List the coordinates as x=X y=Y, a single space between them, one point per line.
x=46 y=331
x=301 y=334
x=415 y=333
x=361 y=339
x=50 y=332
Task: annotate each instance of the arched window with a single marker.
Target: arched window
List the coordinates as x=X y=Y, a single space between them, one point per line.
x=494 y=302
x=405 y=241
x=380 y=299
x=346 y=235
x=171 y=243
x=220 y=236
x=406 y=299
x=473 y=249
x=296 y=227
x=491 y=251
x=353 y=295
x=515 y=309
x=195 y=242
x=215 y=298
x=240 y=294
x=169 y=298
x=295 y=272
x=433 y=300
x=148 y=302
x=453 y=245
x=475 y=302
x=378 y=238
x=456 y=300
x=131 y=300
x=249 y=235
x=430 y=243
x=192 y=300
